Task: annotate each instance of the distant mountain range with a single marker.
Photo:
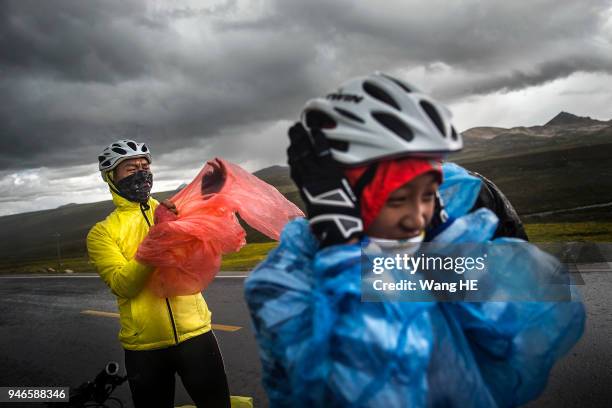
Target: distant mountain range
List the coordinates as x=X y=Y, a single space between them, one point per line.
x=562 y=164
x=563 y=131
x=568 y=119
x=560 y=124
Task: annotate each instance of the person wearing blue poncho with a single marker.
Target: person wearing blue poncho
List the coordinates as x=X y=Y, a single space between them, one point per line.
x=367 y=161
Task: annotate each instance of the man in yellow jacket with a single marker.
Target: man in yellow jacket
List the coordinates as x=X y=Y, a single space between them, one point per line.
x=161 y=336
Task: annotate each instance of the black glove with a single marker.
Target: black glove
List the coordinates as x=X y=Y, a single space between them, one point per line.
x=331 y=205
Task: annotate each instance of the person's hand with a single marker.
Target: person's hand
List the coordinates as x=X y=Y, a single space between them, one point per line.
x=214 y=178
x=165 y=212
x=331 y=206
x=170 y=206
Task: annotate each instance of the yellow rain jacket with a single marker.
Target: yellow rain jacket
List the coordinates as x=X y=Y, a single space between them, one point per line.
x=147 y=322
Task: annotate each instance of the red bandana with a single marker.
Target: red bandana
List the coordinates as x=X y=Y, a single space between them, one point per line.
x=390 y=175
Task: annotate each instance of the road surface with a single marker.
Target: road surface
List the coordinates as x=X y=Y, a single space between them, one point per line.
x=62 y=330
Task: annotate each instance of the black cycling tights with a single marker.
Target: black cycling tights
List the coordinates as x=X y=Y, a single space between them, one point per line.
x=197 y=361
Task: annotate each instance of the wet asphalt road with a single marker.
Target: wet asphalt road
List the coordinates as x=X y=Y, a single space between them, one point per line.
x=45 y=339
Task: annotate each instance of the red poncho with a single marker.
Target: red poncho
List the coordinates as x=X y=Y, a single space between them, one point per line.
x=186 y=250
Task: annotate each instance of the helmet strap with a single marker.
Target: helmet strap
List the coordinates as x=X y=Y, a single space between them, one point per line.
x=111 y=185
x=113 y=188
x=365 y=179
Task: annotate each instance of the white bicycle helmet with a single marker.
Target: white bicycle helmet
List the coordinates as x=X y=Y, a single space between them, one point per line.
x=120 y=150
x=377 y=116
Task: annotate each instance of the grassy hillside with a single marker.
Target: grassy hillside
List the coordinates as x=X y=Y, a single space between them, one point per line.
x=552 y=180
x=512 y=142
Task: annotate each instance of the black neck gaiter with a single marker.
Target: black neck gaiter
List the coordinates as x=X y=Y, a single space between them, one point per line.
x=136 y=187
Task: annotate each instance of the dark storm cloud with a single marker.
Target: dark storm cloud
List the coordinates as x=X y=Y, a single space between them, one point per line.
x=76 y=75
x=519 y=78
x=71 y=92
x=86 y=41
x=477 y=35
x=505 y=45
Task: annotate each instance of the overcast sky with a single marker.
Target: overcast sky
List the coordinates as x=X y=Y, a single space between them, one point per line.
x=202 y=79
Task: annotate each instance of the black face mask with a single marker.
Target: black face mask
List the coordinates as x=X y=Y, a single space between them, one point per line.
x=136 y=187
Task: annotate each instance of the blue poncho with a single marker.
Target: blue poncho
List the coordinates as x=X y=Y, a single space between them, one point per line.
x=320 y=345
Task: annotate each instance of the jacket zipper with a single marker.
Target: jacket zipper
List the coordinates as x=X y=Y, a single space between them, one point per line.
x=143 y=209
x=172 y=321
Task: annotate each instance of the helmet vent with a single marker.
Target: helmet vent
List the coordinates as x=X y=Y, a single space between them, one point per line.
x=349 y=115
x=319 y=120
x=398 y=83
x=434 y=116
x=394 y=124
x=339 y=145
x=101 y=158
x=380 y=94
x=132 y=146
x=119 y=150
x=144 y=148
x=106 y=163
x=454 y=135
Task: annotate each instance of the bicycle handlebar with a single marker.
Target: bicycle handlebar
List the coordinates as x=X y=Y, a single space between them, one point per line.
x=98 y=390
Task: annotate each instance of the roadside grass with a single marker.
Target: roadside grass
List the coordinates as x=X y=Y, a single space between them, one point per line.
x=243 y=260
x=251 y=254
x=570 y=232
x=74 y=264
